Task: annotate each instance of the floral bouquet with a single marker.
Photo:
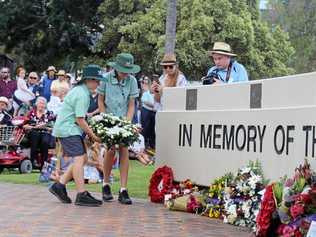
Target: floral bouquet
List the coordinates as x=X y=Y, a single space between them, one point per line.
x=192 y=203
x=215 y=199
x=242 y=198
x=288 y=206
x=114 y=131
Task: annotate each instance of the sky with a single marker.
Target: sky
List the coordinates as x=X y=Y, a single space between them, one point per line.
x=263 y=4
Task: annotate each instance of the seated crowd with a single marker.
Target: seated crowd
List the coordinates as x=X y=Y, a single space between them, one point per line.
x=40 y=98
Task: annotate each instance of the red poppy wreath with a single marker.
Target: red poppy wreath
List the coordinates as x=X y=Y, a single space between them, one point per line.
x=161 y=183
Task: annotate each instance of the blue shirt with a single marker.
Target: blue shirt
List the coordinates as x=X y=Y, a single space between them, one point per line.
x=148 y=97
x=118 y=94
x=47 y=82
x=238 y=73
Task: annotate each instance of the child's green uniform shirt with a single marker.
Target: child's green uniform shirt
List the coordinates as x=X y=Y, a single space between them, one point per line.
x=117 y=94
x=75 y=105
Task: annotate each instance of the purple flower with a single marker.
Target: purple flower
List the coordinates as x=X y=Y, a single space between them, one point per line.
x=215 y=201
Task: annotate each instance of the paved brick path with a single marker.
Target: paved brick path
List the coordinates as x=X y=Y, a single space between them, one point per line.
x=27 y=210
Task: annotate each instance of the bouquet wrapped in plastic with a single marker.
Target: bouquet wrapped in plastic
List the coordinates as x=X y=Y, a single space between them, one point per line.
x=113 y=130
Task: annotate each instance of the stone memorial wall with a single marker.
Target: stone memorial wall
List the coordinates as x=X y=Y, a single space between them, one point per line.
x=205 y=131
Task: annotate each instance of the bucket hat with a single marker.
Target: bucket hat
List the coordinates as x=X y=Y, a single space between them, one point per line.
x=124 y=63
x=92 y=71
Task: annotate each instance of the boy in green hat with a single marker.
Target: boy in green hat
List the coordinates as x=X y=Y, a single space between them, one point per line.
x=69 y=128
x=117 y=96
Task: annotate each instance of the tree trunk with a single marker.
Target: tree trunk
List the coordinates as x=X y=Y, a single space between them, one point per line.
x=171 y=25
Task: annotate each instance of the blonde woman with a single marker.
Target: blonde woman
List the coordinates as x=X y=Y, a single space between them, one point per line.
x=61 y=86
x=171 y=77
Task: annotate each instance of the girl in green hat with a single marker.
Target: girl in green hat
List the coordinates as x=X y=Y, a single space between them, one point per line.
x=117 y=96
x=69 y=128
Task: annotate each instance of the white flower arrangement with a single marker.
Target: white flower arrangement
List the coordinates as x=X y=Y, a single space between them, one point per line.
x=242 y=204
x=114 y=131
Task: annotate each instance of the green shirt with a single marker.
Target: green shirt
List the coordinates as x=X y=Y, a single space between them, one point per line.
x=75 y=105
x=117 y=94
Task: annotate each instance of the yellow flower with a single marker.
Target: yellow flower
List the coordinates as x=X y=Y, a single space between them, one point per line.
x=214 y=213
x=217 y=214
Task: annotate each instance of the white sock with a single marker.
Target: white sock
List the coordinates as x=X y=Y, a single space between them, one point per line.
x=104 y=183
x=122 y=189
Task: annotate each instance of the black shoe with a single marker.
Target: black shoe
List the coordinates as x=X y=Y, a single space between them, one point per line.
x=124 y=198
x=106 y=193
x=86 y=199
x=59 y=190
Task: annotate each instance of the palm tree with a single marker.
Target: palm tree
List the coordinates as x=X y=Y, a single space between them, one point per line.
x=171 y=25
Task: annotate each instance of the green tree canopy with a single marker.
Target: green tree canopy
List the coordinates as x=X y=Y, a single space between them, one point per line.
x=42 y=32
x=139 y=27
x=298 y=19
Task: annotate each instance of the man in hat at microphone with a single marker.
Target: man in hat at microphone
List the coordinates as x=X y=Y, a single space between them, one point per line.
x=226 y=69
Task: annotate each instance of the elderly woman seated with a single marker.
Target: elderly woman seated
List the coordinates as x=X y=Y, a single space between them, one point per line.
x=5 y=117
x=39 y=124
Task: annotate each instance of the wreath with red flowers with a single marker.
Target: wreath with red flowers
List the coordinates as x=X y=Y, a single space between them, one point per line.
x=265 y=214
x=161 y=183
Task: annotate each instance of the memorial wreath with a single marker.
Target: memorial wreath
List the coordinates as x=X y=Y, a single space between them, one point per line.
x=161 y=183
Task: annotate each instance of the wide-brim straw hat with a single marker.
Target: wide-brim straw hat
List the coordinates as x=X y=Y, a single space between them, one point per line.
x=4 y=100
x=169 y=59
x=222 y=48
x=124 y=63
x=61 y=73
x=51 y=68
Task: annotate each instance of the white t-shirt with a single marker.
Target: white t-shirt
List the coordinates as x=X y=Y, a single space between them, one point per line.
x=22 y=92
x=138 y=146
x=54 y=105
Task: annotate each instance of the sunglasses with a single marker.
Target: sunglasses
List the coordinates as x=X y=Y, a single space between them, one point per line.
x=168 y=66
x=4 y=72
x=35 y=78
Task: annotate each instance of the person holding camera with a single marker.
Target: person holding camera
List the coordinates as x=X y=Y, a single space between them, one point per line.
x=172 y=77
x=226 y=69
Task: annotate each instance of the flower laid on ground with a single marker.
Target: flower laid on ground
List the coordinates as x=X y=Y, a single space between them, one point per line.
x=193 y=202
x=267 y=208
x=161 y=183
x=215 y=199
x=185 y=196
x=243 y=196
x=114 y=131
x=287 y=208
x=235 y=199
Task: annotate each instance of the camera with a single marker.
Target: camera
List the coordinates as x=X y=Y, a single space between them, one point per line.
x=210 y=79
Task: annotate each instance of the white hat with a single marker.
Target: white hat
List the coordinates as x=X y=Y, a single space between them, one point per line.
x=222 y=48
x=51 y=68
x=4 y=100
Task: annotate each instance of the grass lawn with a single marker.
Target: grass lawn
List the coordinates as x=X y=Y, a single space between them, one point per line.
x=138 y=180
